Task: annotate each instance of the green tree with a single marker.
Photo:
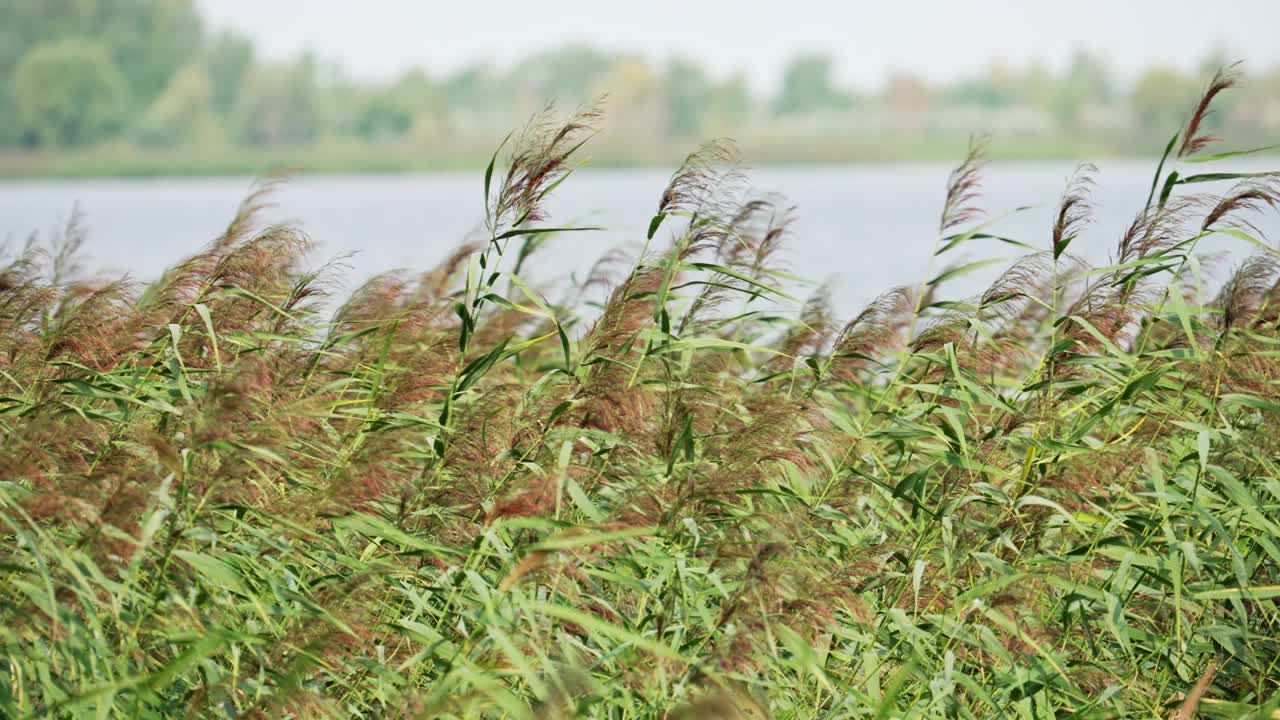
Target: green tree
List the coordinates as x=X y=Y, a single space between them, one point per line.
x=1161 y=98
x=8 y=124
x=1089 y=72
x=564 y=75
x=807 y=86
x=729 y=106
x=471 y=88
x=150 y=40
x=1087 y=82
x=68 y=93
x=25 y=24
x=147 y=39
x=280 y=104
x=423 y=98
x=686 y=93
x=996 y=87
x=635 y=101
x=383 y=114
x=227 y=58
x=417 y=90
x=184 y=111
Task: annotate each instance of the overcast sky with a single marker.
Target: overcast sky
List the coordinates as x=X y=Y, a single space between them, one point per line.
x=940 y=39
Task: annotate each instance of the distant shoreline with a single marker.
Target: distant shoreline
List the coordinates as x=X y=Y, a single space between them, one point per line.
x=121 y=161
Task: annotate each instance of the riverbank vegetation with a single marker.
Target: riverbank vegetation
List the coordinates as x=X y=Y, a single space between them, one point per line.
x=676 y=487
x=104 y=87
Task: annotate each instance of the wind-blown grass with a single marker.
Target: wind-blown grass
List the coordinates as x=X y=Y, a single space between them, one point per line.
x=693 y=495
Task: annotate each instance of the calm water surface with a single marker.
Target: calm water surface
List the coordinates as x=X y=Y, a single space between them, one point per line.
x=863 y=227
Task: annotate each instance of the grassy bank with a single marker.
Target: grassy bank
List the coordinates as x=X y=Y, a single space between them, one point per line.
x=671 y=490
x=353 y=157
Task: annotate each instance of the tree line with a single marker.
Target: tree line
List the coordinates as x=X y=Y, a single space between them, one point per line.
x=152 y=74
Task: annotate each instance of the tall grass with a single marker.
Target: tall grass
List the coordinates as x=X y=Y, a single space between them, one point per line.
x=675 y=490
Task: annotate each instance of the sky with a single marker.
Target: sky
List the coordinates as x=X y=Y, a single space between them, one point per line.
x=939 y=39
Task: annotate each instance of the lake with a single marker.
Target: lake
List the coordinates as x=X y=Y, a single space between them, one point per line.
x=863 y=227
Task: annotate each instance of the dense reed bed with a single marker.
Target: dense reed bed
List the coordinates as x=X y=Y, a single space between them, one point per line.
x=673 y=489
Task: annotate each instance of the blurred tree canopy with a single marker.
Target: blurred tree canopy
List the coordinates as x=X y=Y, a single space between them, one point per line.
x=279 y=104
x=139 y=42
x=184 y=111
x=687 y=93
x=148 y=39
x=77 y=72
x=729 y=104
x=227 y=58
x=569 y=74
x=807 y=86
x=1160 y=96
x=68 y=93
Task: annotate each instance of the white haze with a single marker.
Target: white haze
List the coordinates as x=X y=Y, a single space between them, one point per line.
x=939 y=39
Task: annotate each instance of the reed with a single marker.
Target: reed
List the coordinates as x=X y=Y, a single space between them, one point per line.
x=693 y=495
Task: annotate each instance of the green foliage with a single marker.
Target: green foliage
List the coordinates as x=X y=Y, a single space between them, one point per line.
x=569 y=74
x=1086 y=82
x=471 y=88
x=687 y=93
x=68 y=93
x=150 y=40
x=1160 y=96
x=28 y=24
x=147 y=39
x=280 y=104
x=729 y=106
x=183 y=114
x=807 y=86
x=227 y=58
x=435 y=121
x=669 y=490
x=383 y=115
